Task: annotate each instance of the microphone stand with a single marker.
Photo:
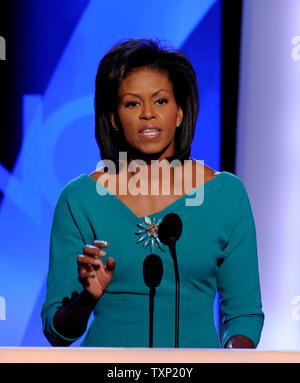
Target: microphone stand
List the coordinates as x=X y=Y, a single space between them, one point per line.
x=172 y=247
x=151 y=310
x=152 y=272
x=169 y=232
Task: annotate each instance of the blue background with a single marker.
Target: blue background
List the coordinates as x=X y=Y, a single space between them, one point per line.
x=65 y=42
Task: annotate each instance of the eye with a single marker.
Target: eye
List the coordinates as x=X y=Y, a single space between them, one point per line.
x=162 y=101
x=131 y=104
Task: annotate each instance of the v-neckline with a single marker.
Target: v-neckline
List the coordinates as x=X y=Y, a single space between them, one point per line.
x=166 y=209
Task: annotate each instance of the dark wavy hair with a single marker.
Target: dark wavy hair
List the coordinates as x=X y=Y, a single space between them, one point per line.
x=119 y=62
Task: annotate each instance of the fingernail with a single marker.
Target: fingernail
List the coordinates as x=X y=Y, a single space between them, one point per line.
x=102 y=252
x=101 y=241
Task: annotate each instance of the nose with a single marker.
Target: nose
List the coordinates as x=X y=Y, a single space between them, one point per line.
x=147 y=112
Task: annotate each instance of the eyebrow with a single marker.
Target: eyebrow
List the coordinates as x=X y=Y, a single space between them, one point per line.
x=136 y=95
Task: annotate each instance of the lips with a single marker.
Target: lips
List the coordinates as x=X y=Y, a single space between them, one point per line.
x=150 y=128
x=149 y=133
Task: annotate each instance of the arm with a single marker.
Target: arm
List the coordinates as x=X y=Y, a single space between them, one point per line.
x=85 y=277
x=238 y=281
x=71 y=319
x=66 y=242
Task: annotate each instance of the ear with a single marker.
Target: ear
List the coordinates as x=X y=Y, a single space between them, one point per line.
x=112 y=120
x=179 y=115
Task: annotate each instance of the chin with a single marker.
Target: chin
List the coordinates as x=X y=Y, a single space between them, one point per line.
x=152 y=149
x=155 y=149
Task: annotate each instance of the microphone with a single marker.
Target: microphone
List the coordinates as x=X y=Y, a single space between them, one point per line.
x=169 y=231
x=152 y=273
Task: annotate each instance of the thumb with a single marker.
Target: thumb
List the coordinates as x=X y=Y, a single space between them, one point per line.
x=110 y=265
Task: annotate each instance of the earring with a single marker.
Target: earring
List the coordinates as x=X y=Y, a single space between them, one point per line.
x=177 y=124
x=116 y=129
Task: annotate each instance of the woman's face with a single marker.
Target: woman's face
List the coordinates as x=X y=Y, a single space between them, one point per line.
x=148 y=113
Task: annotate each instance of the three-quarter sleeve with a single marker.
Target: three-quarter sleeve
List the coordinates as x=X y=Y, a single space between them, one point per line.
x=66 y=244
x=238 y=277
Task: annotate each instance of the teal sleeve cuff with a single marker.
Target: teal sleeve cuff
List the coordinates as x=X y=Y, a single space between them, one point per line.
x=249 y=326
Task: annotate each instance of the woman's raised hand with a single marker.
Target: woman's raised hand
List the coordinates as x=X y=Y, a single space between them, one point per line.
x=93 y=274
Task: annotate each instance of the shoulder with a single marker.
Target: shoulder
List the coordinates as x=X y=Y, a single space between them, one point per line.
x=233 y=187
x=230 y=179
x=73 y=188
x=76 y=198
x=233 y=181
x=229 y=191
x=234 y=195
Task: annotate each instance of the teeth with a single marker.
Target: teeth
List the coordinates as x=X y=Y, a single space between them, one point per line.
x=150 y=131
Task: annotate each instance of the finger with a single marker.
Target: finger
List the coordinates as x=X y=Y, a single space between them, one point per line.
x=83 y=263
x=110 y=265
x=88 y=267
x=88 y=260
x=84 y=275
x=93 y=251
x=85 y=267
x=100 y=243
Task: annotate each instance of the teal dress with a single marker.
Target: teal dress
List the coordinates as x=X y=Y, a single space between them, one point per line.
x=217 y=251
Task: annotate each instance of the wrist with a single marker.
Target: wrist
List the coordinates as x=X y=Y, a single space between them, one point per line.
x=87 y=298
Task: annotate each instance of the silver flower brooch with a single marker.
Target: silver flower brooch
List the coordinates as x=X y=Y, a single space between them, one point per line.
x=148 y=233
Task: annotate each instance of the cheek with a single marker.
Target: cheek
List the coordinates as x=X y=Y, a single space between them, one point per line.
x=128 y=122
x=170 y=115
x=127 y=118
x=170 y=121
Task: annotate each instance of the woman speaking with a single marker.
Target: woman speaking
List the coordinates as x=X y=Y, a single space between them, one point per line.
x=106 y=223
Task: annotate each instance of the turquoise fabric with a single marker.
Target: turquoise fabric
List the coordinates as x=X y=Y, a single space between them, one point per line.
x=217 y=250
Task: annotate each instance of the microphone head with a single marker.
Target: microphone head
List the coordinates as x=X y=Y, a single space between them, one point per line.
x=170 y=229
x=152 y=270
